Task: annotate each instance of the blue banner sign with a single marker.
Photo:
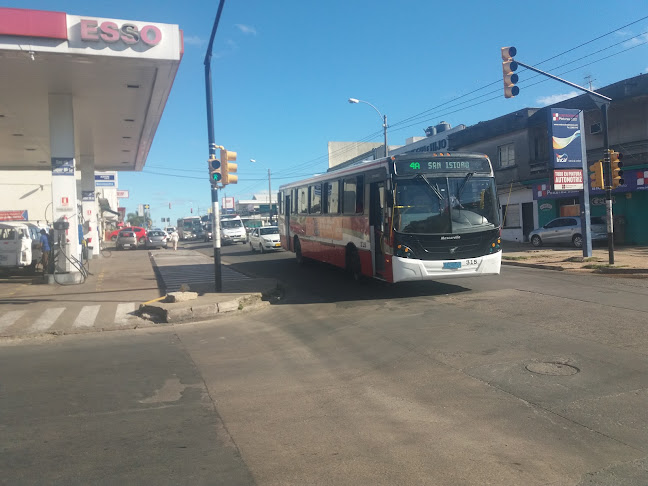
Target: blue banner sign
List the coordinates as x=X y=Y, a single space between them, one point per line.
x=565 y=139
x=105 y=180
x=62 y=166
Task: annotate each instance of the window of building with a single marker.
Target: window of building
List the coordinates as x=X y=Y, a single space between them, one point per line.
x=316 y=198
x=506 y=155
x=541 y=146
x=511 y=216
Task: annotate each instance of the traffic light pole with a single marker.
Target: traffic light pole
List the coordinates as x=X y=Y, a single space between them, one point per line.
x=218 y=283
x=603 y=102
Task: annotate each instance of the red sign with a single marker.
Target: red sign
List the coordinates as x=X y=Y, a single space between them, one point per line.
x=65 y=201
x=19 y=215
x=110 y=32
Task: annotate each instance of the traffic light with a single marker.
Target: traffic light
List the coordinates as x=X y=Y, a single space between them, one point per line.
x=596 y=177
x=615 y=165
x=215 y=176
x=228 y=168
x=509 y=66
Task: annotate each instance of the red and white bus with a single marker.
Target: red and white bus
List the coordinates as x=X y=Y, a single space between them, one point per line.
x=422 y=216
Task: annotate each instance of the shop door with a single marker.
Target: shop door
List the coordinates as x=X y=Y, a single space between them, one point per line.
x=527 y=220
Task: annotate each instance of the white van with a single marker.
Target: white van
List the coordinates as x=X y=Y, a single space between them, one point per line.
x=19 y=244
x=232 y=230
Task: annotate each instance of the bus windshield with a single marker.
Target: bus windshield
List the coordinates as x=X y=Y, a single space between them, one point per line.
x=440 y=205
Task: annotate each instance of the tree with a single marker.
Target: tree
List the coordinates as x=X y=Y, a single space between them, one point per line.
x=135 y=220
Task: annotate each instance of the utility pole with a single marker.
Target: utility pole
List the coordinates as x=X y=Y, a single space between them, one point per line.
x=269 y=198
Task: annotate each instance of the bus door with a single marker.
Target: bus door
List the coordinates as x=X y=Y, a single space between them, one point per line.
x=377 y=224
x=287 y=205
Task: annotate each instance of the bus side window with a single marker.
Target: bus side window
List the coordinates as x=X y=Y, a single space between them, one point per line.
x=315 y=198
x=333 y=197
x=349 y=197
x=360 y=195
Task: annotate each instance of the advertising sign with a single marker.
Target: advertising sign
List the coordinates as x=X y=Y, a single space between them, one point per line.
x=635 y=180
x=565 y=139
x=121 y=194
x=87 y=196
x=228 y=203
x=62 y=166
x=105 y=180
x=568 y=180
x=14 y=215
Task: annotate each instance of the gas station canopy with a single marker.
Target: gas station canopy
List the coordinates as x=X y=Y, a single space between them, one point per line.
x=119 y=74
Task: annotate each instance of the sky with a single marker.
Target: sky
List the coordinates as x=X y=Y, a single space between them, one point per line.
x=283 y=72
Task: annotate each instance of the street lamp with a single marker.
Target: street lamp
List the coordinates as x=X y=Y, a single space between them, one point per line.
x=383 y=117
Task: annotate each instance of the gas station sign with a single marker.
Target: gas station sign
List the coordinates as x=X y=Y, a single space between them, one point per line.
x=110 y=32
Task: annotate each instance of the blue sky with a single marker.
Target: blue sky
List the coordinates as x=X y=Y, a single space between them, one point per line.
x=283 y=72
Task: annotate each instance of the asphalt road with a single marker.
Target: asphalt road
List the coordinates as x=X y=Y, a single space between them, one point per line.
x=532 y=377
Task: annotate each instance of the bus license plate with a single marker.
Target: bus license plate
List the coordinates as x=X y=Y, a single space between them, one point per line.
x=452 y=265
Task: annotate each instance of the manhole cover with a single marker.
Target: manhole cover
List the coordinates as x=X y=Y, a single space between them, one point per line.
x=552 y=368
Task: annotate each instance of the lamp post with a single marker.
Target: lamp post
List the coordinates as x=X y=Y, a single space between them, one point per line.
x=383 y=117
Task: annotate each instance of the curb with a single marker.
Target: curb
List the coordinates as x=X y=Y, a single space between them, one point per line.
x=634 y=272
x=174 y=313
x=532 y=265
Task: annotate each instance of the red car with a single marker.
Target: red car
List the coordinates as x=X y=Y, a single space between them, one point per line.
x=140 y=234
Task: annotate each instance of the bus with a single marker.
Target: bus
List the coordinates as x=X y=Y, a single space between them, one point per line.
x=409 y=217
x=189 y=227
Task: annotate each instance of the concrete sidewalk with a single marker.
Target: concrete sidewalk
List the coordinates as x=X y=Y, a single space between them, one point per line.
x=193 y=274
x=631 y=261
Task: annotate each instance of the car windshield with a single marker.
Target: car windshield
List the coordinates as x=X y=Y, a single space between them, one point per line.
x=126 y=233
x=269 y=231
x=156 y=233
x=445 y=205
x=232 y=224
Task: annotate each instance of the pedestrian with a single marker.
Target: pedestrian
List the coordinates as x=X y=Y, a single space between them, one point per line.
x=174 y=239
x=45 y=249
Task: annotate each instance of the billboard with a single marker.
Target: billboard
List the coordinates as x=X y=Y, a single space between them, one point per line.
x=565 y=139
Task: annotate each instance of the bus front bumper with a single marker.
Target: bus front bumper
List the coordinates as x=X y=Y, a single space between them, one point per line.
x=410 y=269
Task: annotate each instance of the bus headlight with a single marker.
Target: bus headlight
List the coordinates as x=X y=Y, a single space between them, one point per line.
x=404 y=251
x=495 y=245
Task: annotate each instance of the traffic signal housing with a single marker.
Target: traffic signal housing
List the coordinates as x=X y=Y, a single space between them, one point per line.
x=615 y=167
x=215 y=174
x=227 y=167
x=596 y=176
x=509 y=66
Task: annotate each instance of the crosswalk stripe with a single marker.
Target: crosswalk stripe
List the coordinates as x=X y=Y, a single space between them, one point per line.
x=87 y=316
x=122 y=312
x=9 y=318
x=47 y=319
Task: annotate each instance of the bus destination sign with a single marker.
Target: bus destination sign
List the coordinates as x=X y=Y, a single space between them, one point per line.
x=404 y=167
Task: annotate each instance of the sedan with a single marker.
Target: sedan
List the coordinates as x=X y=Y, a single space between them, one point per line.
x=265 y=238
x=567 y=230
x=156 y=239
x=126 y=239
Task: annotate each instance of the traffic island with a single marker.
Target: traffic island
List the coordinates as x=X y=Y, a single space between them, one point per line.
x=176 y=308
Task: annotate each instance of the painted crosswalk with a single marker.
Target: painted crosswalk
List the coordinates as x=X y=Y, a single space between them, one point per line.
x=70 y=319
x=174 y=277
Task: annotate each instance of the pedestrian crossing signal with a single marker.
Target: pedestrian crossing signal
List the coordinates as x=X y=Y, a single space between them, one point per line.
x=215 y=176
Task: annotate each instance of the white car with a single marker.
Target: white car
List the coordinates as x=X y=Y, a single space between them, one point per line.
x=265 y=238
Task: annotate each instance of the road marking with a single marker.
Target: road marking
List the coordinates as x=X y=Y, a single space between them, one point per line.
x=9 y=318
x=122 y=312
x=46 y=319
x=87 y=316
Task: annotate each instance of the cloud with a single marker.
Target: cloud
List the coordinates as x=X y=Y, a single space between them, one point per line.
x=194 y=40
x=636 y=41
x=247 y=29
x=550 y=100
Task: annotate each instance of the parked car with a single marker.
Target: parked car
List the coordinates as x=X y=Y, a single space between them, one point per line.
x=126 y=239
x=156 y=239
x=567 y=230
x=140 y=233
x=265 y=238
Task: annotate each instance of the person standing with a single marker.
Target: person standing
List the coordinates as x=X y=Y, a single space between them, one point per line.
x=174 y=239
x=45 y=249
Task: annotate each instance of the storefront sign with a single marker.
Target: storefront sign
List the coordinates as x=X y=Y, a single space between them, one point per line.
x=122 y=194
x=62 y=166
x=14 y=215
x=110 y=32
x=565 y=138
x=105 y=180
x=568 y=180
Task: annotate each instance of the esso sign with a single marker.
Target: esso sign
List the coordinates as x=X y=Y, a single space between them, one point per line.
x=110 y=32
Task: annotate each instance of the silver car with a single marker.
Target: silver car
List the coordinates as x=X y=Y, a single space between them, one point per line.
x=156 y=239
x=567 y=230
x=126 y=239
